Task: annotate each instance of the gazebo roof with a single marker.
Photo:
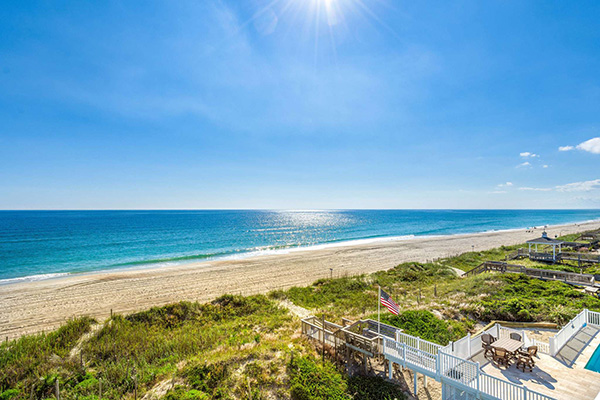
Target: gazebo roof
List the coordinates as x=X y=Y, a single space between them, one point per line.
x=544 y=239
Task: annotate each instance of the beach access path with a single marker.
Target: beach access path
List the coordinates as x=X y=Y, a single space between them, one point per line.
x=35 y=306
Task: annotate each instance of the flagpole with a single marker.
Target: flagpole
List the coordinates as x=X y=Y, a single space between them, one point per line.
x=379 y=311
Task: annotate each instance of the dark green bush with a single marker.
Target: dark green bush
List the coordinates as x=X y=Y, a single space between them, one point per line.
x=309 y=380
x=425 y=325
x=373 y=388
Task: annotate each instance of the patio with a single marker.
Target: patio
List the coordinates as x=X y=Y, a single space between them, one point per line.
x=563 y=376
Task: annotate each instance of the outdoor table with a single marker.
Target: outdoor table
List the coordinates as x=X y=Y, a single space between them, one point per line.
x=508 y=344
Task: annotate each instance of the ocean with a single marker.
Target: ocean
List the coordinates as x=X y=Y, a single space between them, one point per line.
x=44 y=244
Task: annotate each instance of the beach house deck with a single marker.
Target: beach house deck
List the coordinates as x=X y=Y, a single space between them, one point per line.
x=464 y=372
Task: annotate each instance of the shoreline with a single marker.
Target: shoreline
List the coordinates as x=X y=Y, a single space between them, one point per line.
x=29 y=307
x=141 y=265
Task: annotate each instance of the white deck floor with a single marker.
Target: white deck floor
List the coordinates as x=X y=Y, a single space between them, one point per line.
x=562 y=377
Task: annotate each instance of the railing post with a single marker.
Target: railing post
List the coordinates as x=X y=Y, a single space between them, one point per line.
x=469 y=343
x=404 y=353
x=478 y=391
x=524 y=392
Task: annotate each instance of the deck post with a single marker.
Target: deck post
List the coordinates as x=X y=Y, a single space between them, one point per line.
x=415 y=381
x=425 y=381
x=404 y=353
x=525 y=392
x=390 y=369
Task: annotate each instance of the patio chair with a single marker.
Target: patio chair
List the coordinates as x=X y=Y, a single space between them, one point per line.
x=515 y=336
x=525 y=362
x=532 y=350
x=486 y=338
x=501 y=357
x=488 y=350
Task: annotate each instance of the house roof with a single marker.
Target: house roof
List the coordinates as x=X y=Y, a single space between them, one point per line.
x=545 y=240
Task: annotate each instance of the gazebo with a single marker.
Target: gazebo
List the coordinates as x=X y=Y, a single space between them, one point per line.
x=545 y=240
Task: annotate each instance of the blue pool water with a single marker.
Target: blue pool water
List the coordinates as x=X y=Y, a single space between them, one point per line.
x=40 y=244
x=594 y=362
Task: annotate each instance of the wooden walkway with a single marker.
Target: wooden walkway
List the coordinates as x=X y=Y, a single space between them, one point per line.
x=544 y=274
x=581 y=258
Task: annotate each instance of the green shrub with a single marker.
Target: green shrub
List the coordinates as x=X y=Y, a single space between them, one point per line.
x=309 y=380
x=9 y=394
x=425 y=325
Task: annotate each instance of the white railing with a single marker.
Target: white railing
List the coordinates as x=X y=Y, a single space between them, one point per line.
x=409 y=356
x=455 y=371
x=505 y=332
x=543 y=347
x=505 y=390
x=499 y=388
x=593 y=318
x=567 y=332
x=459 y=370
x=418 y=343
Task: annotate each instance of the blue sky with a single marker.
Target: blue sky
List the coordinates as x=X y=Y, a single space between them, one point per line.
x=299 y=104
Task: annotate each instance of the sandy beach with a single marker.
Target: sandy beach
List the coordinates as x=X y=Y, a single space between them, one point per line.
x=43 y=305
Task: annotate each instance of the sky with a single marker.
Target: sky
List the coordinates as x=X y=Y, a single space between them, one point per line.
x=299 y=104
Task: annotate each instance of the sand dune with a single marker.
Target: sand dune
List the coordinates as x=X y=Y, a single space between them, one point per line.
x=36 y=306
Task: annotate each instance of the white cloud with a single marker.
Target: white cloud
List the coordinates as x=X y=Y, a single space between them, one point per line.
x=532 y=189
x=527 y=154
x=584 y=186
x=497 y=192
x=524 y=164
x=565 y=148
x=591 y=146
x=507 y=184
x=545 y=166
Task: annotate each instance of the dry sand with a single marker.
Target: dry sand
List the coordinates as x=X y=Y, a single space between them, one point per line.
x=43 y=305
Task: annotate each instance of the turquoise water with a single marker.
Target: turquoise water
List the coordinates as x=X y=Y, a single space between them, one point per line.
x=593 y=363
x=41 y=244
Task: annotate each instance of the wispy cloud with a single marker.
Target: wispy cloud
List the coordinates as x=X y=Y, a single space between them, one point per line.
x=497 y=192
x=524 y=164
x=584 y=186
x=534 y=189
x=507 y=184
x=566 y=148
x=545 y=166
x=527 y=154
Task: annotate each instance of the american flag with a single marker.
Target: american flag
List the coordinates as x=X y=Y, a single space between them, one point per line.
x=387 y=301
